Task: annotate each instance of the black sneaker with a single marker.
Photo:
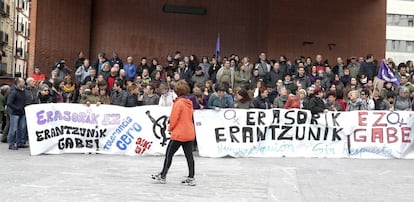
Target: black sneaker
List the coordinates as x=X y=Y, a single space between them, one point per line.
x=13 y=147
x=22 y=146
x=190 y=181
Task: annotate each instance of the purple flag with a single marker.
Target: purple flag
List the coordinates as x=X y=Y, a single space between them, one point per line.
x=217 y=53
x=386 y=74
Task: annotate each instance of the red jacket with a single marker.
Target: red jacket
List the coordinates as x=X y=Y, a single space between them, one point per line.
x=292 y=102
x=181 y=120
x=39 y=77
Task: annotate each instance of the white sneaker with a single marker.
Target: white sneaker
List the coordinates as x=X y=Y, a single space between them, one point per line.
x=190 y=181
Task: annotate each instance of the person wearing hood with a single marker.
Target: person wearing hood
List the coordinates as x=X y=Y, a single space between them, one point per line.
x=182 y=134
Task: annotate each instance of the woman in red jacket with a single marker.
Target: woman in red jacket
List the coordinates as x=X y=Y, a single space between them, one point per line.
x=182 y=133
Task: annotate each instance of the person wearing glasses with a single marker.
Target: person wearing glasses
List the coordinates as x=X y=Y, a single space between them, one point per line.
x=44 y=94
x=368 y=103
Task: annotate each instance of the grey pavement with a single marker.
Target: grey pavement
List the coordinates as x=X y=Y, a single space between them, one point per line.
x=86 y=177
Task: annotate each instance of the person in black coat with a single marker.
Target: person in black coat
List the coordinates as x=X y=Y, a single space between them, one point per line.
x=275 y=74
x=44 y=94
x=368 y=67
x=16 y=102
x=132 y=97
x=185 y=72
x=316 y=104
x=262 y=100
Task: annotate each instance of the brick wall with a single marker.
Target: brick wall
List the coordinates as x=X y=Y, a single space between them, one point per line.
x=140 y=28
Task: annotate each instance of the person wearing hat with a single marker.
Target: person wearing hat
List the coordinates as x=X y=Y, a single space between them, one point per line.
x=199 y=76
x=316 y=104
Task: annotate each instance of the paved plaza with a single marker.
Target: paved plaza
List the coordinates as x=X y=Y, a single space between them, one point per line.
x=88 y=177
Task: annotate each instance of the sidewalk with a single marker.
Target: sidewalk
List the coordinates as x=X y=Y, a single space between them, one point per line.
x=83 y=177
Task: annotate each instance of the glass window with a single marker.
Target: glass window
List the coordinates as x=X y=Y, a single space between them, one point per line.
x=399 y=46
x=394 y=45
x=389 y=45
x=403 y=20
x=396 y=19
x=403 y=46
x=410 y=46
x=400 y=20
x=389 y=19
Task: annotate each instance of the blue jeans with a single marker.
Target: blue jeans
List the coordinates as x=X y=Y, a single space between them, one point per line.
x=17 y=130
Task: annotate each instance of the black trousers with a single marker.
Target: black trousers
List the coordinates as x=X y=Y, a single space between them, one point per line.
x=172 y=147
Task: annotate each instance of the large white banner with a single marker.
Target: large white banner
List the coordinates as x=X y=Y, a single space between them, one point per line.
x=108 y=129
x=270 y=133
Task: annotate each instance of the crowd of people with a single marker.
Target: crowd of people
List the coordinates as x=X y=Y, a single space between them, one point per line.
x=216 y=82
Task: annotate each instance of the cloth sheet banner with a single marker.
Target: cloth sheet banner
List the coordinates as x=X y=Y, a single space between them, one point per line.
x=381 y=134
x=270 y=133
x=108 y=129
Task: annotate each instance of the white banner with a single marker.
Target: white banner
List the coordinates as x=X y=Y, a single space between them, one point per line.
x=382 y=134
x=108 y=129
x=270 y=133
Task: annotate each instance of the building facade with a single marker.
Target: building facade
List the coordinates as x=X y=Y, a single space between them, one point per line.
x=6 y=37
x=21 y=37
x=400 y=30
x=60 y=29
x=14 y=37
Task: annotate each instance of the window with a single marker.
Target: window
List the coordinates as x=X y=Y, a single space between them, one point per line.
x=400 y=46
x=410 y=45
x=400 y=20
x=411 y=21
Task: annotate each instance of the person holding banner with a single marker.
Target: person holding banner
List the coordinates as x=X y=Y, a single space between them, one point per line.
x=182 y=134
